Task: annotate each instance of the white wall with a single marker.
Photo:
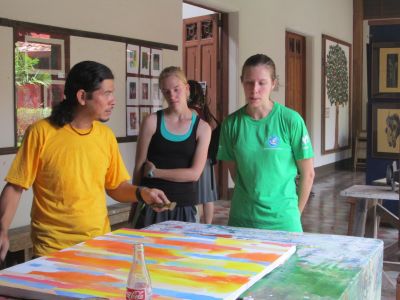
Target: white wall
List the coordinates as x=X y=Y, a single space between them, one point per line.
x=261 y=29
x=139 y=19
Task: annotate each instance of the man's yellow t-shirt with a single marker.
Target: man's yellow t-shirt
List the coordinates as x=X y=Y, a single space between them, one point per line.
x=69 y=173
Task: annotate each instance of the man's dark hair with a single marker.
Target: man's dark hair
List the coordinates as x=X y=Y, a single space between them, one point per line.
x=86 y=75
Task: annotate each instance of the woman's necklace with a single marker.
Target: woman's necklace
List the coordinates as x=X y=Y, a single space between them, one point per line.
x=80 y=133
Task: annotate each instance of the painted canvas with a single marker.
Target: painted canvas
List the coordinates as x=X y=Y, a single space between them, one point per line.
x=181 y=266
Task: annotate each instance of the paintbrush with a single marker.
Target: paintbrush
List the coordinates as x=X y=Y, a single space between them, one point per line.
x=169 y=206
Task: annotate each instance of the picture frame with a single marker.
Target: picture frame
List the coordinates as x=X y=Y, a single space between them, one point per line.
x=132 y=91
x=132 y=59
x=144 y=61
x=144 y=111
x=156 y=62
x=156 y=97
x=386 y=130
x=144 y=90
x=132 y=121
x=336 y=74
x=385 y=70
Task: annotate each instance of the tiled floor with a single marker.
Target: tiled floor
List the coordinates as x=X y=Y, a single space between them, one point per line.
x=327 y=212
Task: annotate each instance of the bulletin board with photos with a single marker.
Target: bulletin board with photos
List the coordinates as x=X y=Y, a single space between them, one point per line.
x=143 y=96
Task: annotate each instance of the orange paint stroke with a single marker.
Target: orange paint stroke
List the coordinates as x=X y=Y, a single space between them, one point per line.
x=256 y=256
x=73 y=257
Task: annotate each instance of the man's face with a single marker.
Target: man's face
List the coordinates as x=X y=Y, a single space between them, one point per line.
x=102 y=101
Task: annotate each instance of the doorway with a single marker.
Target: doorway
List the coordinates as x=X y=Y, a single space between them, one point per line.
x=296 y=73
x=205 y=59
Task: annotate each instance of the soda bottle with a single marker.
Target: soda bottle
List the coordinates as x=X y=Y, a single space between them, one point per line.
x=139 y=284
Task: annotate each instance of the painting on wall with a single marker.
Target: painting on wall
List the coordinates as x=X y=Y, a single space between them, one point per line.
x=132 y=121
x=155 y=92
x=144 y=111
x=144 y=90
x=156 y=62
x=144 y=61
x=385 y=70
x=386 y=130
x=336 y=95
x=132 y=91
x=132 y=59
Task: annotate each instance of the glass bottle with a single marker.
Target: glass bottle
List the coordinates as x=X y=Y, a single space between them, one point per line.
x=139 y=284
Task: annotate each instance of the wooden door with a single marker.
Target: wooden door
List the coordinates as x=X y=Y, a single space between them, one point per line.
x=200 y=54
x=295 y=96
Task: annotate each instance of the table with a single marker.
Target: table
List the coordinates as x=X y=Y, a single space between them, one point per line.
x=366 y=212
x=323 y=266
x=366 y=208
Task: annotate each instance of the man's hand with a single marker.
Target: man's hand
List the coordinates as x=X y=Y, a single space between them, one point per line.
x=155 y=198
x=4 y=245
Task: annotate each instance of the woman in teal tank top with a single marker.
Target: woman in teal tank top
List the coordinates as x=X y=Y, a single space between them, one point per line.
x=172 y=151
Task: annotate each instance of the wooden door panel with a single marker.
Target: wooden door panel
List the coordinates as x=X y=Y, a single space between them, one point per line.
x=200 y=53
x=191 y=62
x=208 y=74
x=295 y=96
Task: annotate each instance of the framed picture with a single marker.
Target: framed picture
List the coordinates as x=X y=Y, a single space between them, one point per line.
x=132 y=121
x=54 y=93
x=386 y=130
x=156 y=62
x=132 y=91
x=385 y=70
x=336 y=95
x=132 y=59
x=144 y=61
x=144 y=89
x=144 y=111
x=155 y=92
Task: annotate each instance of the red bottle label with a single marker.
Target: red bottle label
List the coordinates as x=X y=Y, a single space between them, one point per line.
x=135 y=294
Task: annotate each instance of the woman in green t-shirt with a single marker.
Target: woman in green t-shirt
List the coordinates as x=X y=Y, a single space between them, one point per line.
x=266 y=146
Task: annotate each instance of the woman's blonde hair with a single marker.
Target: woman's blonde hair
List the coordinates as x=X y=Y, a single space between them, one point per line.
x=172 y=71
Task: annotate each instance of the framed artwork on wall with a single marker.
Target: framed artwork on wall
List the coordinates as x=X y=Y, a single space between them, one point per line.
x=132 y=121
x=156 y=62
x=156 y=98
x=386 y=130
x=132 y=59
x=144 y=90
x=132 y=91
x=144 y=111
x=385 y=70
x=144 y=61
x=336 y=95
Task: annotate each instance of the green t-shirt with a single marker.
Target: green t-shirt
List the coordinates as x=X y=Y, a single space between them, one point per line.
x=265 y=153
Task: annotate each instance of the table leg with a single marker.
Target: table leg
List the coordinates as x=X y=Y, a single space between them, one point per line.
x=352 y=203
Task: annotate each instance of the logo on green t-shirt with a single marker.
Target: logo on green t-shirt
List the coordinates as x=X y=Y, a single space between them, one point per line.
x=273 y=142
